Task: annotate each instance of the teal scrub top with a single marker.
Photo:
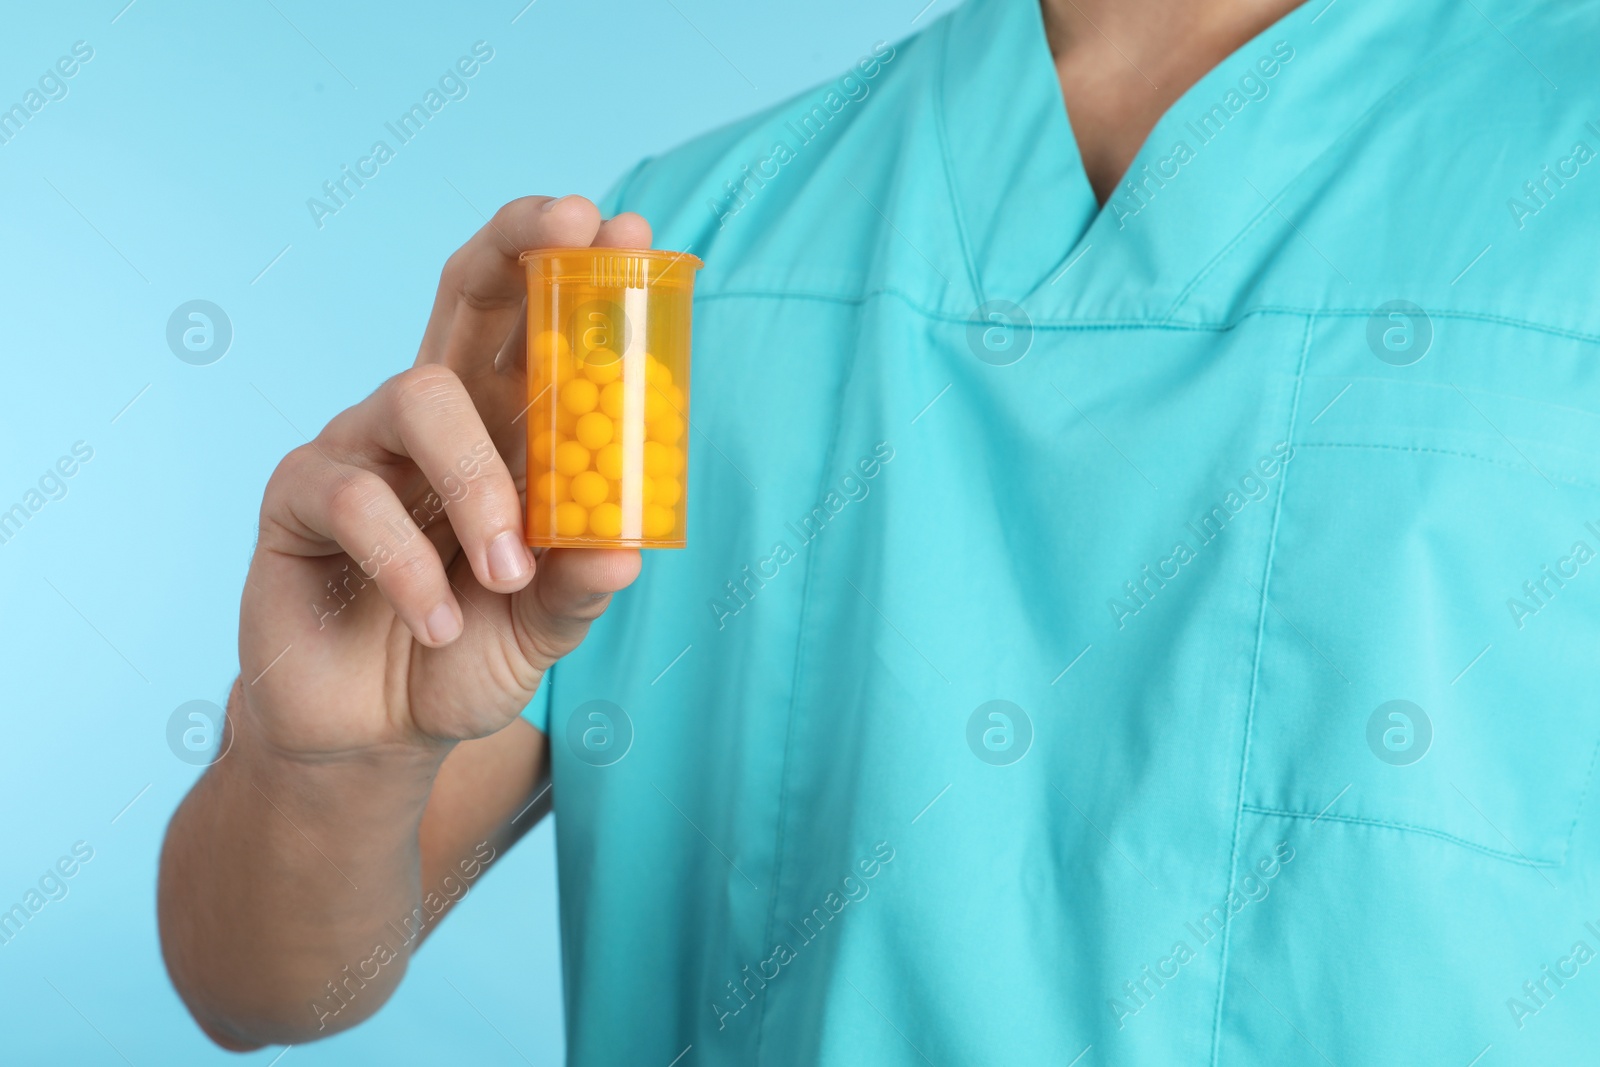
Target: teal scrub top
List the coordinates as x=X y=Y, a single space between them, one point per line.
x=1158 y=633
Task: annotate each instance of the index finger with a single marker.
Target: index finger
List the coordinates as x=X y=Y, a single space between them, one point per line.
x=481 y=288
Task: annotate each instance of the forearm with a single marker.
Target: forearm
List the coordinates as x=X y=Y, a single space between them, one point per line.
x=305 y=866
x=280 y=879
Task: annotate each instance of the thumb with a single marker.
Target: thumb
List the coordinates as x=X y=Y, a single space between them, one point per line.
x=571 y=587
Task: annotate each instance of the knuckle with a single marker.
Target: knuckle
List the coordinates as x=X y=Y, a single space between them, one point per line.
x=571 y=606
x=356 y=500
x=289 y=479
x=452 y=277
x=422 y=387
x=482 y=470
x=538 y=644
x=291 y=466
x=412 y=568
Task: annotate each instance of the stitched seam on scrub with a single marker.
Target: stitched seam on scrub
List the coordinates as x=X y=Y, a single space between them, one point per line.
x=1382 y=102
x=1255 y=679
x=1408 y=828
x=1507 y=464
x=1272 y=205
x=973 y=278
x=1179 y=325
x=1583 y=795
x=794 y=695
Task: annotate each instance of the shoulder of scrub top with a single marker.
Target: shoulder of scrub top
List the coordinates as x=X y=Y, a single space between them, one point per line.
x=798 y=199
x=1488 y=144
x=1471 y=188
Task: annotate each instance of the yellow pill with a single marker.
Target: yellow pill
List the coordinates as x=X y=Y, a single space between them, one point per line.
x=657 y=460
x=647 y=490
x=602 y=366
x=608 y=461
x=559 y=368
x=544 y=443
x=566 y=422
x=676 y=398
x=655 y=405
x=548 y=343
x=666 y=429
x=593 y=430
x=571 y=458
x=551 y=487
x=580 y=395
x=546 y=350
x=612 y=399
x=657 y=521
x=668 y=491
x=589 y=488
x=675 y=461
x=657 y=373
x=571 y=519
x=606 y=521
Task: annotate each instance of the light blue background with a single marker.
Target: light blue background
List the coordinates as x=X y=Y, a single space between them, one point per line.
x=178 y=167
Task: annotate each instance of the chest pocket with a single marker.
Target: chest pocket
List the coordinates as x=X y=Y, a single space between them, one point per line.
x=1431 y=642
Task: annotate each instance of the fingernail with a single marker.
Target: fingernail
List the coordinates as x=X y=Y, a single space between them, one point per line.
x=550 y=205
x=443 y=626
x=508 y=560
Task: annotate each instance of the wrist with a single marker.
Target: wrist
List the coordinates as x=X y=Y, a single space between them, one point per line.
x=251 y=735
x=388 y=780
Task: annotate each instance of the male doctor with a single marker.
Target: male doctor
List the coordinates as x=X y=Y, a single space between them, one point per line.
x=1137 y=607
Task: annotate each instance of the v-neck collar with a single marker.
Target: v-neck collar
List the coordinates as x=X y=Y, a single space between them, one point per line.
x=1018 y=183
x=1030 y=228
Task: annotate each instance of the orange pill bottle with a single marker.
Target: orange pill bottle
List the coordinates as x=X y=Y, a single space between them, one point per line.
x=608 y=397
